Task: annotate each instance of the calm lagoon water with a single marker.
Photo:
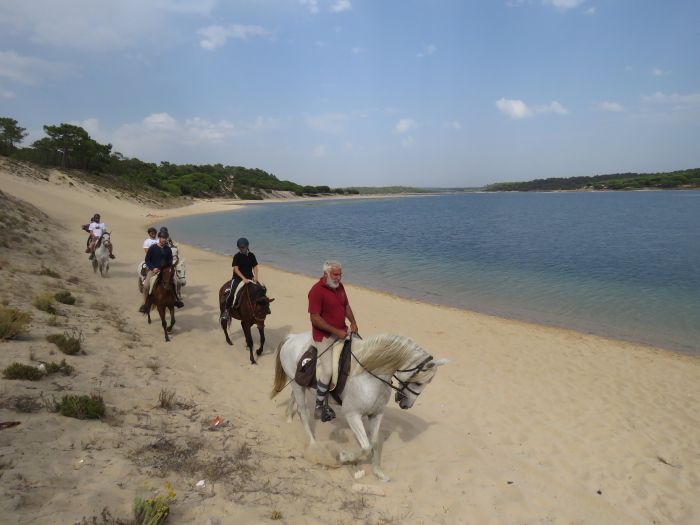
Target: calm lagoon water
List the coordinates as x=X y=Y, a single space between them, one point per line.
x=620 y=264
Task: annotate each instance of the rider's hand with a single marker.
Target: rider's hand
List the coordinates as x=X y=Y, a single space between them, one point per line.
x=353 y=328
x=157 y=270
x=245 y=281
x=341 y=334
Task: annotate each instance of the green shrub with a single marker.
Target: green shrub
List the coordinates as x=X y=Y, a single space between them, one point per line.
x=44 y=303
x=65 y=297
x=20 y=371
x=82 y=407
x=67 y=343
x=56 y=368
x=154 y=511
x=13 y=322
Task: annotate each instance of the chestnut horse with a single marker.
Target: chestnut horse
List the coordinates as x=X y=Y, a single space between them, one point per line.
x=162 y=297
x=253 y=307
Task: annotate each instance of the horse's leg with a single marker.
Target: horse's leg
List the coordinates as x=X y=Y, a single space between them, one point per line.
x=94 y=265
x=224 y=321
x=172 y=318
x=161 y=312
x=373 y=423
x=291 y=407
x=261 y=331
x=354 y=420
x=300 y=395
x=248 y=340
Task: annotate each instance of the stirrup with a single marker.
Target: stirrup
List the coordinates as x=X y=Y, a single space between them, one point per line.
x=324 y=413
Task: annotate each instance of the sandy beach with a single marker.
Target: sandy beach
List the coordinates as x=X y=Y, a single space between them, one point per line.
x=527 y=424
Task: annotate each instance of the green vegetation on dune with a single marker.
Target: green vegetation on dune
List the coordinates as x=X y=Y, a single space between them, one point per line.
x=70 y=147
x=617 y=181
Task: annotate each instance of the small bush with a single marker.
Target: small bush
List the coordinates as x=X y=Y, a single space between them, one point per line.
x=65 y=297
x=13 y=322
x=166 y=399
x=44 y=303
x=154 y=511
x=53 y=321
x=59 y=368
x=276 y=515
x=48 y=271
x=82 y=407
x=67 y=343
x=20 y=371
x=23 y=403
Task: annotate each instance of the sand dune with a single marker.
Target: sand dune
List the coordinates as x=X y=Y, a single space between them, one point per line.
x=527 y=424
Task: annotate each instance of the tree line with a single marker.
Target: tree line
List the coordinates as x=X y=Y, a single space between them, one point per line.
x=616 y=181
x=70 y=147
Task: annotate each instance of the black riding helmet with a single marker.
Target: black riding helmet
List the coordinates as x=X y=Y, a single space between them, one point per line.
x=242 y=242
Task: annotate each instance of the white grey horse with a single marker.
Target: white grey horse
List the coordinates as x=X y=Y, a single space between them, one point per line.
x=101 y=258
x=367 y=391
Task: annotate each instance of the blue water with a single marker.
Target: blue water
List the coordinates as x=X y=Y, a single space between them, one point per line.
x=619 y=264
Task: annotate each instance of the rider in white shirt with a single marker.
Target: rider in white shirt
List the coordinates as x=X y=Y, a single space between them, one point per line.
x=151 y=240
x=96 y=229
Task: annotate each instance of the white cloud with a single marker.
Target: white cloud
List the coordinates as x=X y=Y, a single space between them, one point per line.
x=405 y=125
x=319 y=151
x=658 y=72
x=266 y=123
x=453 y=124
x=612 y=107
x=216 y=36
x=427 y=51
x=517 y=109
x=92 y=26
x=30 y=70
x=327 y=122
x=341 y=5
x=675 y=101
x=564 y=5
x=311 y=5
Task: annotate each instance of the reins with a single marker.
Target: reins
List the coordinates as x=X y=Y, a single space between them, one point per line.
x=404 y=384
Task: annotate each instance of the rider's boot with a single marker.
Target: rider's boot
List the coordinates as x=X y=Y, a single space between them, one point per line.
x=179 y=303
x=111 y=255
x=322 y=411
x=143 y=309
x=92 y=256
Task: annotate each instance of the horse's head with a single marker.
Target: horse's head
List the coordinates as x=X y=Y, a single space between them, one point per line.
x=176 y=257
x=181 y=272
x=261 y=307
x=166 y=276
x=413 y=380
x=106 y=240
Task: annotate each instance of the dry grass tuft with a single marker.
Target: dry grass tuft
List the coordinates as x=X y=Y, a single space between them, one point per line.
x=68 y=343
x=166 y=399
x=23 y=403
x=13 y=322
x=44 y=302
x=82 y=407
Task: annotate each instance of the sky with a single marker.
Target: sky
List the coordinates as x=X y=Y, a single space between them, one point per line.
x=448 y=93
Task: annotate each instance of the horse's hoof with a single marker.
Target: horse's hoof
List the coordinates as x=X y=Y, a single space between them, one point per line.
x=346 y=457
x=259 y=351
x=381 y=476
x=253 y=362
x=229 y=342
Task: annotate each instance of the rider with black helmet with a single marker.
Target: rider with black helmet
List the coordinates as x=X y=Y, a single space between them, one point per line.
x=245 y=268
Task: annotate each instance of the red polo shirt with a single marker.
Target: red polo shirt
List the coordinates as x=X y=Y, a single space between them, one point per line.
x=330 y=304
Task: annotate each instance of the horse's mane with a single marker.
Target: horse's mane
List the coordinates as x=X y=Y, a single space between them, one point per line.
x=385 y=353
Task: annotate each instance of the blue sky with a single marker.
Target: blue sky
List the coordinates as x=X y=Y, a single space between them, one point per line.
x=366 y=92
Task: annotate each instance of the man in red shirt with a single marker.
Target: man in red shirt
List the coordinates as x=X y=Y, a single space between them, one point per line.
x=328 y=309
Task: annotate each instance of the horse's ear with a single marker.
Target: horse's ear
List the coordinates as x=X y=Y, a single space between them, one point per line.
x=437 y=362
x=272 y=299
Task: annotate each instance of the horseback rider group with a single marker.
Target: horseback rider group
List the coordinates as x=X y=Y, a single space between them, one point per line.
x=95 y=228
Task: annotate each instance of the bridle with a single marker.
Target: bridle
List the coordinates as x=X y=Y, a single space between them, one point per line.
x=403 y=384
x=253 y=310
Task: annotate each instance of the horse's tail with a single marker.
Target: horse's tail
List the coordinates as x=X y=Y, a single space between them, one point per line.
x=280 y=374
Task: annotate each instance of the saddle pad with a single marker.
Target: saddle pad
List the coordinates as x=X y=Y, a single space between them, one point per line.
x=306 y=369
x=154 y=280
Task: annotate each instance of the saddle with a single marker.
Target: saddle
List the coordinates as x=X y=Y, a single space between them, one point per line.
x=306 y=368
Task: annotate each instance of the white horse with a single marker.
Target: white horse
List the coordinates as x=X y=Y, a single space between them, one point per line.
x=180 y=270
x=368 y=387
x=101 y=258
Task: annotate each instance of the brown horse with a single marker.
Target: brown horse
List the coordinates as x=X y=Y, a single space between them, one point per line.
x=253 y=307
x=162 y=297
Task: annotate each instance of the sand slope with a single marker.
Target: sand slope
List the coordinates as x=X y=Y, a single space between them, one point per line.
x=527 y=424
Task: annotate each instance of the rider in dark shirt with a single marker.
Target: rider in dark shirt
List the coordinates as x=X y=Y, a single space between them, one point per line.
x=158 y=257
x=245 y=268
